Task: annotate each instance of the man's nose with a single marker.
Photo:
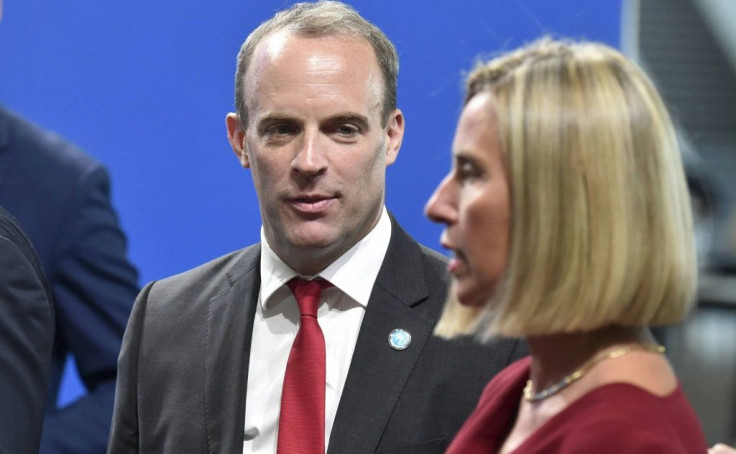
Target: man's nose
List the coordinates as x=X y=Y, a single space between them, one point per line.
x=311 y=157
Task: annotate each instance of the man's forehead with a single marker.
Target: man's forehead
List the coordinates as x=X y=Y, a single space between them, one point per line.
x=285 y=61
x=275 y=45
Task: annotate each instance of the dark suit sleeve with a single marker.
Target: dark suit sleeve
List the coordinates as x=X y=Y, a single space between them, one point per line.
x=124 y=436
x=26 y=338
x=94 y=287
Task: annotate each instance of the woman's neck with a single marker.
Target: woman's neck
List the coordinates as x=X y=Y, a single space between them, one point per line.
x=556 y=356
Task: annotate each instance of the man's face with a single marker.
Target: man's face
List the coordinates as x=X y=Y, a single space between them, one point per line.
x=315 y=144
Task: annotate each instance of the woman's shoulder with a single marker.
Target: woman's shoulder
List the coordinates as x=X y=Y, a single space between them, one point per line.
x=621 y=417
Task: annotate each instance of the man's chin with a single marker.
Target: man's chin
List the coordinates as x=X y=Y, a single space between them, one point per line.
x=313 y=239
x=309 y=256
x=313 y=245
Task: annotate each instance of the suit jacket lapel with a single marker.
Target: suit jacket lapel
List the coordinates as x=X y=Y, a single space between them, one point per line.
x=229 y=332
x=378 y=373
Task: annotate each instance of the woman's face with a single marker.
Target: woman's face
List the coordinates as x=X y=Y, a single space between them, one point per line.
x=473 y=202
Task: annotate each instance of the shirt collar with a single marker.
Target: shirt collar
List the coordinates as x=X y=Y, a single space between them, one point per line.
x=354 y=273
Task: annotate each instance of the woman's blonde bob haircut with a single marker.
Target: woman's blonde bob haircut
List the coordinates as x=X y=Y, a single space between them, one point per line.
x=601 y=226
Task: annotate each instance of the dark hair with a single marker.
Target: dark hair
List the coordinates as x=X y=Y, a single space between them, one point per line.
x=323 y=18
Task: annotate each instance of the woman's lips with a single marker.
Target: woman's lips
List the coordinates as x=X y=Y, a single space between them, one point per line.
x=453 y=265
x=456 y=264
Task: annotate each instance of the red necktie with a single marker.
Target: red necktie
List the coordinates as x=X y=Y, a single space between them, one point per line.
x=302 y=418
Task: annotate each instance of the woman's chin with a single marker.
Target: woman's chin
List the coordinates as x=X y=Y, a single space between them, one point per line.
x=470 y=298
x=473 y=292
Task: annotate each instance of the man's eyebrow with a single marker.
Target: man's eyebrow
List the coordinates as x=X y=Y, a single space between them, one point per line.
x=271 y=118
x=360 y=120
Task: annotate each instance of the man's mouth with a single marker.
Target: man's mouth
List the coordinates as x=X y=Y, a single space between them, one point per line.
x=311 y=204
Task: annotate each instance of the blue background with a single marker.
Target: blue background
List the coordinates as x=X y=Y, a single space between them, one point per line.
x=144 y=86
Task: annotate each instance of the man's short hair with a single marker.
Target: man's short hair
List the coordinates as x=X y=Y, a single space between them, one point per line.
x=601 y=224
x=323 y=18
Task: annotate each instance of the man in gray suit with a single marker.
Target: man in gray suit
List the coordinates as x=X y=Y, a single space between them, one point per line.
x=205 y=353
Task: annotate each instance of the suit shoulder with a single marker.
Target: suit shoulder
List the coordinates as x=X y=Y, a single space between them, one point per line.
x=212 y=278
x=433 y=256
x=44 y=150
x=435 y=263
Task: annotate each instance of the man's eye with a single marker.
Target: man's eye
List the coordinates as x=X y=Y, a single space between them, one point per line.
x=347 y=130
x=278 y=130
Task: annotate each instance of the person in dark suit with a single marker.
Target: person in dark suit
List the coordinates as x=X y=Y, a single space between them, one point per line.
x=26 y=339
x=207 y=353
x=61 y=196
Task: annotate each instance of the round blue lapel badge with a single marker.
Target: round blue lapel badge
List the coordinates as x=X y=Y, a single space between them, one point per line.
x=399 y=339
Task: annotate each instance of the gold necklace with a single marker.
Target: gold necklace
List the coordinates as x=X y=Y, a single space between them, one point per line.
x=532 y=397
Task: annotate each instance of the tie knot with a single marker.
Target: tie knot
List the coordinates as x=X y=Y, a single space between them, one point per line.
x=307 y=294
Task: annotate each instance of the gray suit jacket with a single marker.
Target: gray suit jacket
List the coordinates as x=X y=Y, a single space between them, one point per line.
x=26 y=339
x=183 y=368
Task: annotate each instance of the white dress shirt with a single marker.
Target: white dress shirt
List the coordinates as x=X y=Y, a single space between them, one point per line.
x=276 y=324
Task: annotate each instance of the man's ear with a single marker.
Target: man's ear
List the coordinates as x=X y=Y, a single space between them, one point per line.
x=236 y=137
x=394 y=134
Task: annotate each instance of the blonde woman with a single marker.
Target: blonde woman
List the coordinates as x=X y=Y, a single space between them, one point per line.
x=568 y=216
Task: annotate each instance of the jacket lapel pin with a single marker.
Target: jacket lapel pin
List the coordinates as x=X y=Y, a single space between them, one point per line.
x=399 y=339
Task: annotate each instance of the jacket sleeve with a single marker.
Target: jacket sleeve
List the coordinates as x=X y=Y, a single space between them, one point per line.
x=26 y=338
x=94 y=287
x=124 y=433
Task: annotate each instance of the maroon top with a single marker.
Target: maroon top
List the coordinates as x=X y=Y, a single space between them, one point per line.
x=615 y=418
